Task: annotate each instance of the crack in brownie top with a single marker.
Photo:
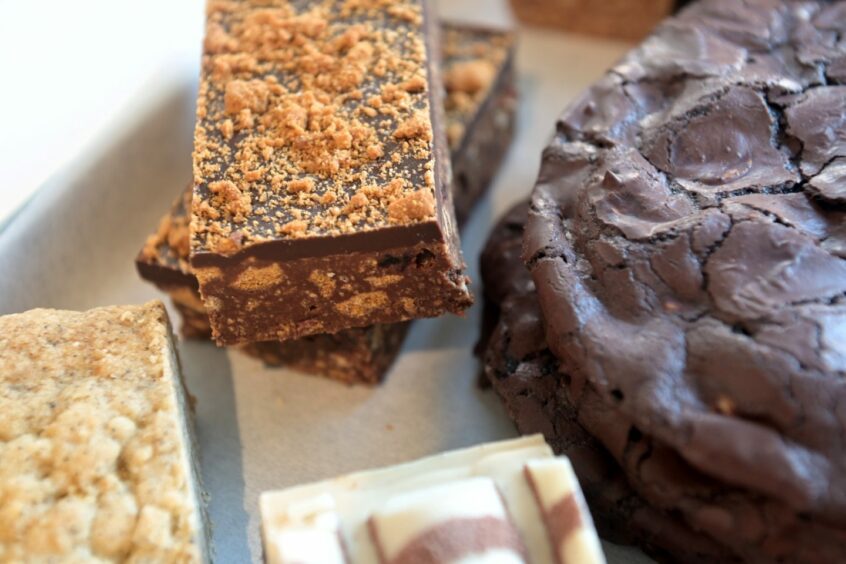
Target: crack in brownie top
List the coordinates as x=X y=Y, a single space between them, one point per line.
x=640 y=490
x=687 y=237
x=314 y=120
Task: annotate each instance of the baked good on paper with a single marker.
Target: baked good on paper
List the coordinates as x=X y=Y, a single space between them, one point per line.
x=321 y=172
x=97 y=459
x=687 y=244
x=525 y=375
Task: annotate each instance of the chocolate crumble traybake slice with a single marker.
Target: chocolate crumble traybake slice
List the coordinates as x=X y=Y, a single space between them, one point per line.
x=321 y=173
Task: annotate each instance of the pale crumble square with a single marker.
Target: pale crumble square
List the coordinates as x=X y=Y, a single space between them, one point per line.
x=95 y=451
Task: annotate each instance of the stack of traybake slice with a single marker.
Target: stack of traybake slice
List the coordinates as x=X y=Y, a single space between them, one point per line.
x=343 y=344
x=673 y=316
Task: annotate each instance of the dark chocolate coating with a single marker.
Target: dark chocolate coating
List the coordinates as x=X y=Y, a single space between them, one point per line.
x=476 y=159
x=354 y=356
x=261 y=281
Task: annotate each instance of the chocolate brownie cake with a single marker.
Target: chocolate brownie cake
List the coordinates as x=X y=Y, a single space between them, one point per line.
x=686 y=239
x=639 y=490
x=524 y=373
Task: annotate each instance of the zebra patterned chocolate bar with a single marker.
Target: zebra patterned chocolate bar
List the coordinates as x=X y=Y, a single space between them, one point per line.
x=557 y=493
x=456 y=521
x=509 y=501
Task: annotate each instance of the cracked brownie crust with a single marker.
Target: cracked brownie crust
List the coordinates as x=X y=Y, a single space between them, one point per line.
x=640 y=490
x=686 y=238
x=95 y=449
x=526 y=375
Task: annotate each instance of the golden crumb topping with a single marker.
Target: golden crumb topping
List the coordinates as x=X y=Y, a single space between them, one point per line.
x=93 y=459
x=170 y=244
x=303 y=104
x=471 y=63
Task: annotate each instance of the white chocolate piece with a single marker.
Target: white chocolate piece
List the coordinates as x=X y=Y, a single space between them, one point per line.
x=568 y=521
x=498 y=556
x=383 y=504
x=290 y=545
x=304 y=532
x=469 y=507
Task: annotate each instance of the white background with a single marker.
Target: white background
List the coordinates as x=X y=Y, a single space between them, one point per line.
x=72 y=70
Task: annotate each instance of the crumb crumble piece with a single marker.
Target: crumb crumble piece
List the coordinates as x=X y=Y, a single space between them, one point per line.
x=412 y=207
